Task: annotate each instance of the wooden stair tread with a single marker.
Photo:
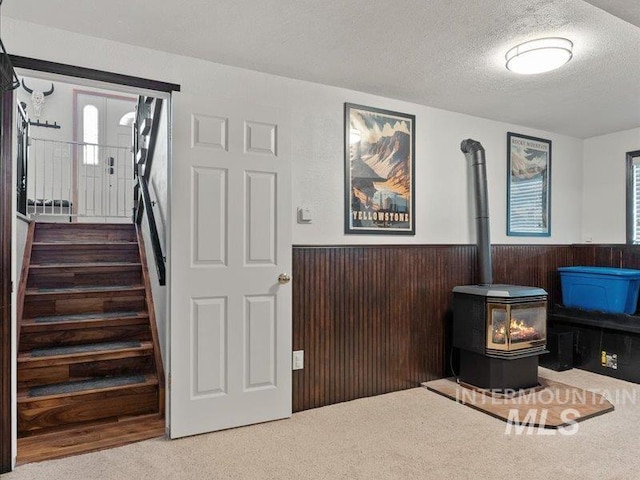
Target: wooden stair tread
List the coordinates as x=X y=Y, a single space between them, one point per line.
x=83 y=243
x=74 y=241
x=80 y=290
x=32 y=296
x=90 y=352
x=95 y=347
x=91 y=265
x=65 y=322
x=96 y=385
x=85 y=226
x=66 y=441
x=79 y=386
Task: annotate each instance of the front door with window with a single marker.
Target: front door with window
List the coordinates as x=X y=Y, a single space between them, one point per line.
x=230 y=241
x=103 y=159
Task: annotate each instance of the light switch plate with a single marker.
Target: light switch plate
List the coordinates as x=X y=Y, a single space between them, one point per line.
x=305 y=215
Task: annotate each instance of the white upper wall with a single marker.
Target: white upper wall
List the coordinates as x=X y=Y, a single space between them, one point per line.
x=58 y=106
x=443 y=208
x=60 y=102
x=604 y=186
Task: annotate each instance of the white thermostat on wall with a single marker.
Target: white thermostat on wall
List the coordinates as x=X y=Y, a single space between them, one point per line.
x=305 y=215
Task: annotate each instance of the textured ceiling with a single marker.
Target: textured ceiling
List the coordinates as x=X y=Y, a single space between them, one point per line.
x=628 y=10
x=442 y=53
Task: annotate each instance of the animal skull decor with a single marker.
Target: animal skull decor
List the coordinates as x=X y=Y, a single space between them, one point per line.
x=37 y=99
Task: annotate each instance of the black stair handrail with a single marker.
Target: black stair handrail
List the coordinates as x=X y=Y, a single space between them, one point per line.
x=142 y=170
x=22 y=159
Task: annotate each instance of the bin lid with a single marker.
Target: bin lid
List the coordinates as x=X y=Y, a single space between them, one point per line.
x=500 y=290
x=620 y=272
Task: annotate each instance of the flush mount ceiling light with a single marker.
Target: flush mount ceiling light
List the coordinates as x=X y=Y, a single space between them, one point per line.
x=538 y=56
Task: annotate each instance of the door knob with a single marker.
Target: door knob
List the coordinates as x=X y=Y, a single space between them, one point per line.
x=283 y=278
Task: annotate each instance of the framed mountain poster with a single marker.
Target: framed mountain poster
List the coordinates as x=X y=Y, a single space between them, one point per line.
x=379 y=149
x=528 y=186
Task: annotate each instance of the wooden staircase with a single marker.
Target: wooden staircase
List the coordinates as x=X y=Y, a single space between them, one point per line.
x=89 y=367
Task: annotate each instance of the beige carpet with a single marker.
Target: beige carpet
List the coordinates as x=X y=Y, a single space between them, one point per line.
x=413 y=434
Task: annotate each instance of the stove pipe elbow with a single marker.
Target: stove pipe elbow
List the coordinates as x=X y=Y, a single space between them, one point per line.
x=474 y=152
x=471 y=146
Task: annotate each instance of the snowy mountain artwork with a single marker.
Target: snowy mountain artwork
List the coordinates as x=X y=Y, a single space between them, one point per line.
x=528 y=186
x=379 y=170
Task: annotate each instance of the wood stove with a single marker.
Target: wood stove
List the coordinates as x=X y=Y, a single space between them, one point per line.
x=499 y=330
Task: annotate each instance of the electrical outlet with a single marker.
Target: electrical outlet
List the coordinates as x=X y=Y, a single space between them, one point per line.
x=298 y=360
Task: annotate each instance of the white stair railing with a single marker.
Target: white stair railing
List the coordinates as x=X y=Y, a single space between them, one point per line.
x=75 y=179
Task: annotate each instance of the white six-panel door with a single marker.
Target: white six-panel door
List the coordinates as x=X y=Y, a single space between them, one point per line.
x=230 y=240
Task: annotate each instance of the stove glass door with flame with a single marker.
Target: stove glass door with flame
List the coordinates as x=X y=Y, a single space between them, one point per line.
x=516 y=326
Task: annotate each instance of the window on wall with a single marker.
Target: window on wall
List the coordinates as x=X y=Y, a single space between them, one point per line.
x=633 y=197
x=90 y=128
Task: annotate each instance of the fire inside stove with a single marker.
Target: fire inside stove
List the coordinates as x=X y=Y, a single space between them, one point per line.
x=515 y=327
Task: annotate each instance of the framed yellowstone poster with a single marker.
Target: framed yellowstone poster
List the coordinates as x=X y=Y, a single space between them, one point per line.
x=528 y=186
x=379 y=171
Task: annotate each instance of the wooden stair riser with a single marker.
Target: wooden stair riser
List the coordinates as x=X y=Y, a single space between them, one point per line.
x=97 y=302
x=34 y=414
x=48 y=253
x=72 y=440
x=67 y=277
x=81 y=336
x=51 y=232
x=50 y=374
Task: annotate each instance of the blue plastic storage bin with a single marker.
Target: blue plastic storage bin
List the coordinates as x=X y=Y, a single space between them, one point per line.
x=613 y=290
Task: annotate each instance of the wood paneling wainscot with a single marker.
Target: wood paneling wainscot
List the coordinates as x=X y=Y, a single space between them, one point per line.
x=374 y=319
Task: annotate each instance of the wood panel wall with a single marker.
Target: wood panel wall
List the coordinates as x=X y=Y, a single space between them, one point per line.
x=622 y=256
x=374 y=319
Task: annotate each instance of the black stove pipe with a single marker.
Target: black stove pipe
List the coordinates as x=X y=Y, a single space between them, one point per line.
x=474 y=151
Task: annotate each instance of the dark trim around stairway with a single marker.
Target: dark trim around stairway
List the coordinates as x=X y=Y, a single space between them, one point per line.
x=6 y=204
x=92 y=74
